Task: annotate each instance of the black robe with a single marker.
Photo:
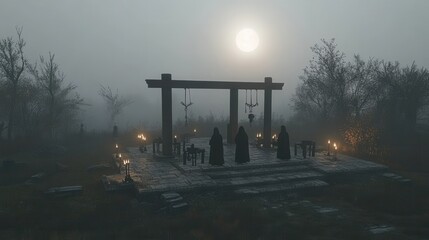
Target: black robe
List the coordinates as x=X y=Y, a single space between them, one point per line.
x=283 y=149
x=241 y=147
x=216 y=150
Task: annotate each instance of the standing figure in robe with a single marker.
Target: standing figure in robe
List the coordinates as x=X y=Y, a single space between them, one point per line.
x=241 y=146
x=283 y=149
x=216 y=148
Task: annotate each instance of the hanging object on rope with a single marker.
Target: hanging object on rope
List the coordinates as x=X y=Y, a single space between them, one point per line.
x=251 y=105
x=186 y=104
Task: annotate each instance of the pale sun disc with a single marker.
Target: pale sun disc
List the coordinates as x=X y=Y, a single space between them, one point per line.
x=247 y=40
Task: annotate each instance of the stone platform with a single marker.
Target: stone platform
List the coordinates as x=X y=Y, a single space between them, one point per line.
x=263 y=174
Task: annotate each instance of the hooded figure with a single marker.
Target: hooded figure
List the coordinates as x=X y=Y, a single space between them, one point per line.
x=283 y=150
x=241 y=147
x=115 y=131
x=216 y=148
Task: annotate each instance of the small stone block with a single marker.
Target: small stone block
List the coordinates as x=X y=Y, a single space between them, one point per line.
x=381 y=229
x=178 y=207
x=169 y=195
x=326 y=210
x=174 y=200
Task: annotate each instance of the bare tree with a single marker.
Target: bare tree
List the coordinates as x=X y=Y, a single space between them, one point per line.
x=12 y=66
x=323 y=91
x=59 y=103
x=406 y=92
x=115 y=103
x=333 y=89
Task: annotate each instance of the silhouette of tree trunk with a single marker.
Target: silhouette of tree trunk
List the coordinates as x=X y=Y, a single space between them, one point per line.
x=115 y=103
x=12 y=66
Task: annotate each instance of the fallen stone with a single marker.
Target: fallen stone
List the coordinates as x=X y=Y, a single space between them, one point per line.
x=405 y=180
x=98 y=167
x=64 y=191
x=174 y=200
x=388 y=175
x=326 y=210
x=289 y=214
x=169 y=195
x=248 y=191
x=378 y=229
x=38 y=176
x=178 y=207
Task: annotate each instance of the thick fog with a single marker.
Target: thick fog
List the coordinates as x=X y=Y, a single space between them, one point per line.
x=122 y=43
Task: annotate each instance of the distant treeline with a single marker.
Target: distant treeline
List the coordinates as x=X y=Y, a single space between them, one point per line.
x=35 y=100
x=371 y=107
x=37 y=104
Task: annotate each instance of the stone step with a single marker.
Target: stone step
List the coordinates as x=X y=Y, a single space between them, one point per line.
x=237 y=182
x=257 y=166
x=177 y=208
x=284 y=187
x=229 y=173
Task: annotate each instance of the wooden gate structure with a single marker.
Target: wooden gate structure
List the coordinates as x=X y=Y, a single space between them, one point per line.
x=167 y=84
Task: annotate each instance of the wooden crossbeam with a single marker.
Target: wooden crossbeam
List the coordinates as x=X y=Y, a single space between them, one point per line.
x=157 y=83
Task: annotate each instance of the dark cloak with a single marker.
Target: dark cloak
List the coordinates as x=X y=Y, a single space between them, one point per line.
x=216 y=149
x=241 y=146
x=283 y=148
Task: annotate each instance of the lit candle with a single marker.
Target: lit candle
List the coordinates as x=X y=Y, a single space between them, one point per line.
x=329 y=147
x=195 y=130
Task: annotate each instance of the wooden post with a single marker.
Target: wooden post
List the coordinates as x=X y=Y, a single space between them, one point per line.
x=267 y=112
x=233 y=115
x=167 y=117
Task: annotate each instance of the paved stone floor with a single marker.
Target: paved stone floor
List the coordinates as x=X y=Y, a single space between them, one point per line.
x=157 y=174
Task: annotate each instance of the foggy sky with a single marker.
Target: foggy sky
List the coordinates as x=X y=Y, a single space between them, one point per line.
x=122 y=43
